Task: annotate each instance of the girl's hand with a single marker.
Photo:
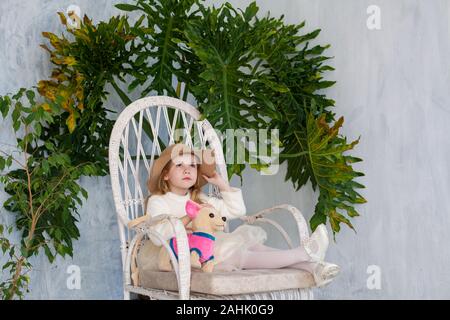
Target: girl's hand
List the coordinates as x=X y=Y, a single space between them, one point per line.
x=186 y=220
x=218 y=181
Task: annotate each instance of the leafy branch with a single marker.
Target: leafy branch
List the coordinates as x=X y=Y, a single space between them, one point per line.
x=43 y=190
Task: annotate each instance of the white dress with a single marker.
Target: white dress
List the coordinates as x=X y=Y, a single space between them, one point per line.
x=229 y=246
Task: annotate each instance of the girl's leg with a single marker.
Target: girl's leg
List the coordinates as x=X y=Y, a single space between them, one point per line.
x=261 y=256
x=273 y=259
x=236 y=259
x=305 y=265
x=316 y=246
x=261 y=247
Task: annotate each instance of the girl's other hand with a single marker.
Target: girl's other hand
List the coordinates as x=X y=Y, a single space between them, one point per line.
x=218 y=181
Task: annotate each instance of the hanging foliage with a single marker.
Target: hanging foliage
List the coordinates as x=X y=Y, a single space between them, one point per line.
x=245 y=72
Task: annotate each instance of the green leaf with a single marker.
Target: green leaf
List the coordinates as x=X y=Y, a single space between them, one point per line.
x=58 y=234
x=38 y=130
x=29 y=118
x=7 y=265
x=49 y=146
x=127 y=7
x=49 y=254
x=251 y=11
x=317 y=219
x=19 y=94
x=4 y=106
x=169 y=17
x=140 y=60
x=61 y=249
x=5 y=247
x=9 y=161
x=84 y=193
x=45 y=167
x=16 y=114
x=30 y=95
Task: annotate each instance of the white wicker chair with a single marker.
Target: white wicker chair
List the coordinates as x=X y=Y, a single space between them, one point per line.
x=131 y=155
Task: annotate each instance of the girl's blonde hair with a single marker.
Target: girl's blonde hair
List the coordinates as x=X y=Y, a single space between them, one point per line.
x=163 y=186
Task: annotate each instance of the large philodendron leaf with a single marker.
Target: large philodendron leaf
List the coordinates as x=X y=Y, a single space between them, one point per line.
x=164 y=55
x=316 y=153
x=223 y=40
x=220 y=40
x=292 y=72
x=290 y=90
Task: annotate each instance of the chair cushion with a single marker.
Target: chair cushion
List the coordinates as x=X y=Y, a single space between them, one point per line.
x=234 y=282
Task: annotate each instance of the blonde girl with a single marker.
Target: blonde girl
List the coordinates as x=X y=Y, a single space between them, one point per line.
x=179 y=174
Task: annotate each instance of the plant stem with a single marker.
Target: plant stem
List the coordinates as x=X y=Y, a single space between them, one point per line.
x=30 y=196
x=19 y=265
x=21 y=260
x=295 y=155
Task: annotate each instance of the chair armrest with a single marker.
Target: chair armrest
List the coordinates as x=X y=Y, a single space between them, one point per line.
x=299 y=219
x=140 y=224
x=182 y=267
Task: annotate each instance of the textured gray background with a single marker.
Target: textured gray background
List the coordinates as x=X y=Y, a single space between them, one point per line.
x=392 y=88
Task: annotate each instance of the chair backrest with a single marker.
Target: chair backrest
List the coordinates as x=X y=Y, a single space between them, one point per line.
x=142 y=130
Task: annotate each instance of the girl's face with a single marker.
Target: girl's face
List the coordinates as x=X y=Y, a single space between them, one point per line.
x=182 y=173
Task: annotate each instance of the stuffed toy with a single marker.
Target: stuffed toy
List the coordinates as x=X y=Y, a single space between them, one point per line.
x=206 y=220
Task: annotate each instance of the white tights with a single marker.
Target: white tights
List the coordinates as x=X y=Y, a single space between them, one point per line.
x=260 y=256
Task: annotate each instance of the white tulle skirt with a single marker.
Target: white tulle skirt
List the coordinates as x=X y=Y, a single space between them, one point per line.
x=230 y=246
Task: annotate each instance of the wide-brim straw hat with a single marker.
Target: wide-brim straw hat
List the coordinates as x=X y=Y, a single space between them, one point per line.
x=206 y=159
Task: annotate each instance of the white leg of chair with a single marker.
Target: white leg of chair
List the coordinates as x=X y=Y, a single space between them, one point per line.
x=126 y=295
x=182 y=267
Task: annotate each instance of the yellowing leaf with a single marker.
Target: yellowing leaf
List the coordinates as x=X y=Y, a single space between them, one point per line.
x=45 y=48
x=315 y=153
x=67 y=105
x=62 y=17
x=46 y=89
x=54 y=40
x=78 y=78
x=70 y=122
x=87 y=21
x=69 y=61
x=46 y=107
x=64 y=93
x=57 y=60
x=79 y=94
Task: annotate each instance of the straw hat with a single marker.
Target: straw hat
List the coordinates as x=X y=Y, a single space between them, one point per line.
x=205 y=157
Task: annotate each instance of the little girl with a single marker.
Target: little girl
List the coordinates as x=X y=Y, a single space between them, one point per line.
x=178 y=175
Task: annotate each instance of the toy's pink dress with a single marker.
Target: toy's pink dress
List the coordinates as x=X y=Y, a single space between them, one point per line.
x=229 y=246
x=201 y=242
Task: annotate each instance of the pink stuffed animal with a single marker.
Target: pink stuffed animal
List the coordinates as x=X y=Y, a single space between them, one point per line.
x=206 y=220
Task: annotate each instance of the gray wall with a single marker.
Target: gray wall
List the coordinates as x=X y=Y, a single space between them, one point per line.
x=392 y=89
